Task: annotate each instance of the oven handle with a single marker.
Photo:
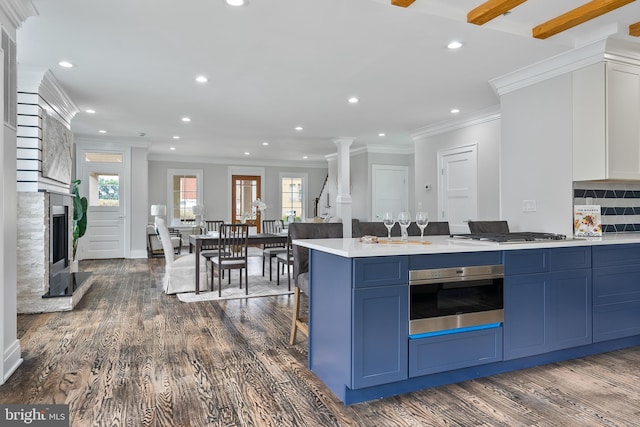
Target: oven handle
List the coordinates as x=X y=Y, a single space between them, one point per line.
x=453 y=279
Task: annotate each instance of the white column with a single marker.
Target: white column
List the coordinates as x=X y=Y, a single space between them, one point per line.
x=343 y=199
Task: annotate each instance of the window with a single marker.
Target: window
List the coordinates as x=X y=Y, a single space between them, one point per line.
x=103 y=157
x=104 y=189
x=293 y=195
x=184 y=192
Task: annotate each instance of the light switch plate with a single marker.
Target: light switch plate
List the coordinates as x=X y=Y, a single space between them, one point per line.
x=528 y=206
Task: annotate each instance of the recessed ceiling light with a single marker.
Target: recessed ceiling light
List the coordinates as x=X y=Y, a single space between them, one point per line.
x=172 y=148
x=186 y=119
x=90 y=111
x=102 y=131
x=65 y=64
x=236 y=2
x=353 y=100
x=202 y=79
x=305 y=157
x=455 y=111
x=265 y=143
x=298 y=127
x=454 y=45
x=246 y=153
x=381 y=134
x=176 y=137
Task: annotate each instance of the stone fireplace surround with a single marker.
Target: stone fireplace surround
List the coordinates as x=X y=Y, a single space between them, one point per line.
x=33 y=253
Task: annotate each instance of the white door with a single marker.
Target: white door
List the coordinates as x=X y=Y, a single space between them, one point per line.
x=457 y=185
x=390 y=190
x=103 y=186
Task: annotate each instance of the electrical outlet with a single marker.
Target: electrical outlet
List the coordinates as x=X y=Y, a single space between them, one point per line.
x=528 y=206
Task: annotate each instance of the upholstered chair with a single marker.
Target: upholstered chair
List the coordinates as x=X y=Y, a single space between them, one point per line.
x=301 y=230
x=180 y=270
x=154 y=246
x=372 y=228
x=488 y=226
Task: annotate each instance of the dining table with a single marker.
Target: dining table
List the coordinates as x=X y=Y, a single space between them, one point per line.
x=196 y=241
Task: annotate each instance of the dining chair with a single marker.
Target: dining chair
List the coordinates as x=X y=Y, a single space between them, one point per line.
x=270 y=250
x=285 y=260
x=213 y=225
x=233 y=241
x=488 y=226
x=301 y=230
x=210 y=250
x=180 y=270
x=367 y=228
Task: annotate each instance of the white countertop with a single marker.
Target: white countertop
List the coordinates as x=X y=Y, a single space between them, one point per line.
x=353 y=248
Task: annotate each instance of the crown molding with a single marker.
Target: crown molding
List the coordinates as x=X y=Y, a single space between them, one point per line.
x=479 y=117
x=236 y=161
x=51 y=91
x=115 y=143
x=17 y=11
x=551 y=67
x=376 y=148
x=607 y=49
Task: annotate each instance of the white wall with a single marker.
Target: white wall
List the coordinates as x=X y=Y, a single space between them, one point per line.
x=536 y=149
x=139 y=202
x=487 y=137
x=217 y=195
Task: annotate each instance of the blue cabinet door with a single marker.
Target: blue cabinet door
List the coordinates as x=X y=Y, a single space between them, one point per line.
x=380 y=335
x=524 y=315
x=616 y=302
x=569 y=309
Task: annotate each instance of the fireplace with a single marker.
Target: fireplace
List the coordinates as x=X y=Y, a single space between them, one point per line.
x=45 y=282
x=62 y=282
x=58 y=239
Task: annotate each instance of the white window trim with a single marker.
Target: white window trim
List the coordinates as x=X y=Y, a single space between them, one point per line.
x=199 y=191
x=305 y=192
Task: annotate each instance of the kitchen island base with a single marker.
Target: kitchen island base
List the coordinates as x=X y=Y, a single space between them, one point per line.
x=350 y=397
x=359 y=341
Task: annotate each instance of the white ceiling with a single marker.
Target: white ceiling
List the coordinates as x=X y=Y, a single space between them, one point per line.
x=277 y=64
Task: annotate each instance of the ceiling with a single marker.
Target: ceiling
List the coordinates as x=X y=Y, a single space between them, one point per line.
x=276 y=64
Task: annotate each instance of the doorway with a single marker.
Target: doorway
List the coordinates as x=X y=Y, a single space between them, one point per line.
x=390 y=190
x=458 y=187
x=245 y=189
x=103 y=184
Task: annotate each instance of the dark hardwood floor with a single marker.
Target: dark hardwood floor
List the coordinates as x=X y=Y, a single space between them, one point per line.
x=130 y=355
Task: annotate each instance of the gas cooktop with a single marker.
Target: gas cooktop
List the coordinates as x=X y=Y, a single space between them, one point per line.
x=509 y=237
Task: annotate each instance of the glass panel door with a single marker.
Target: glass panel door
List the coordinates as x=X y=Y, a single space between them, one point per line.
x=245 y=189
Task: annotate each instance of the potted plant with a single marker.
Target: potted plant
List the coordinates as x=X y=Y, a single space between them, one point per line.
x=79 y=219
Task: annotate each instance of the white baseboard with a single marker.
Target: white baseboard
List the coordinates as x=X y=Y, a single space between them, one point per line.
x=12 y=360
x=138 y=254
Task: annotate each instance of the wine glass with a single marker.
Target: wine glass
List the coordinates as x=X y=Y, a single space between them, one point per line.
x=404 y=219
x=422 y=219
x=388 y=221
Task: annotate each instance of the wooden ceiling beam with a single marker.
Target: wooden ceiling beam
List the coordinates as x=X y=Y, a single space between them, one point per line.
x=402 y=3
x=491 y=9
x=634 y=29
x=577 y=16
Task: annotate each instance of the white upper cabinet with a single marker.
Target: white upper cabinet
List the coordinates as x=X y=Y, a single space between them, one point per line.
x=606 y=122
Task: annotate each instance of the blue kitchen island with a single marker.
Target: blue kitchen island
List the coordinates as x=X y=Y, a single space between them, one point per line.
x=562 y=300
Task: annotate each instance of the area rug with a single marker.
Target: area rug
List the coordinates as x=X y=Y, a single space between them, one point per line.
x=258 y=287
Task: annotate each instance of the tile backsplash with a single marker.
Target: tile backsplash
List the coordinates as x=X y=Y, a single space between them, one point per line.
x=619 y=203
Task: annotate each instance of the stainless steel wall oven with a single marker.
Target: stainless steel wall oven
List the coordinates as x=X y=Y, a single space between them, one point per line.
x=452 y=298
